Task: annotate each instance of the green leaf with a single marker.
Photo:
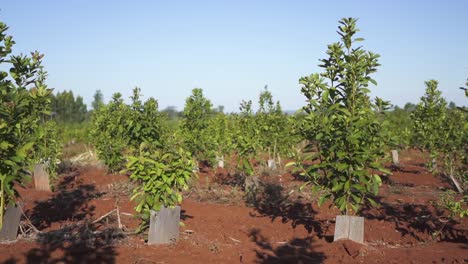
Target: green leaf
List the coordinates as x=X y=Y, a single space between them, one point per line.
x=372 y=202
x=323 y=199
x=337 y=187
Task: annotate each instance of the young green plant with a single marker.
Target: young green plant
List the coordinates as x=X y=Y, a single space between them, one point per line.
x=24 y=99
x=161 y=176
x=346 y=139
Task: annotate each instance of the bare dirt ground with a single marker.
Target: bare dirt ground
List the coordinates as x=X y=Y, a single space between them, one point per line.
x=281 y=225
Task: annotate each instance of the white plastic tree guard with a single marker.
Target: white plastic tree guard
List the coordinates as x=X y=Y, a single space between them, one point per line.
x=41 y=178
x=349 y=228
x=164 y=226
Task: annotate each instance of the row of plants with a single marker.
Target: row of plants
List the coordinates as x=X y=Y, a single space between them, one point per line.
x=212 y=135
x=135 y=139
x=348 y=134
x=27 y=135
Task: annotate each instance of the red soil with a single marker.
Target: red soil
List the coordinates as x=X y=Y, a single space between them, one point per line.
x=276 y=230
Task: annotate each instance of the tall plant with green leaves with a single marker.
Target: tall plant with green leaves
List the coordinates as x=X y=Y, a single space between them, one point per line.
x=272 y=123
x=246 y=138
x=195 y=126
x=118 y=129
x=48 y=148
x=221 y=132
x=24 y=99
x=429 y=119
x=341 y=126
x=452 y=146
x=443 y=133
x=108 y=133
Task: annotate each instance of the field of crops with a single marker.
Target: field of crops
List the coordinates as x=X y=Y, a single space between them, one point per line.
x=254 y=186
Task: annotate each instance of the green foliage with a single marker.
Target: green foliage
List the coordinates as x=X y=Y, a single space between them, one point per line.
x=465 y=88
x=68 y=109
x=195 y=126
x=48 y=147
x=74 y=132
x=172 y=113
x=118 y=129
x=108 y=133
x=246 y=138
x=24 y=99
x=98 y=100
x=160 y=175
x=443 y=132
x=452 y=146
x=341 y=126
x=456 y=208
x=399 y=125
x=273 y=126
x=221 y=132
x=135 y=135
x=429 y=119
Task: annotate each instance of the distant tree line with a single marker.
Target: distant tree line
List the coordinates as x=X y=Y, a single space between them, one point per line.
x=66 y=108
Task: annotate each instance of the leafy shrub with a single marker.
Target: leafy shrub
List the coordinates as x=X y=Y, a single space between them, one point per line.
x=221 y=129
x=429 y=119
x=341 y=126
x=399 y=125
x=456 y=207
x=273 y=127
x=72 y=133
x=246 y=138
x=24 y=99
x=195 y=126
x=48 y=148
x=108 y=132
x=443 y=133
x=161 y=176
x=118 y=129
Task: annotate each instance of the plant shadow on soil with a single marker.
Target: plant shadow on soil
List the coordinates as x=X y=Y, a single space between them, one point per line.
x=297 y=250
x=184 y=216
x=274 y=203
x=418 y=221
x=82 y=242
x=69 y=203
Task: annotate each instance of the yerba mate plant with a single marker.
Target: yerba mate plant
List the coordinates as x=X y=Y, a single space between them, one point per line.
x=345 y=136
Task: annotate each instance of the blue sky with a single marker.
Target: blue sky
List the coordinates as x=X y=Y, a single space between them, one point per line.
x=232 y=49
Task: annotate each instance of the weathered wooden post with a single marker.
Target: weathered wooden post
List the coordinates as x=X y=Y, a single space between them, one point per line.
x=164 y=226
x=349 y=227
x=41 y=178
x=220 y=160
x=11 y=221
x=395 y=160
x=271 y=164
